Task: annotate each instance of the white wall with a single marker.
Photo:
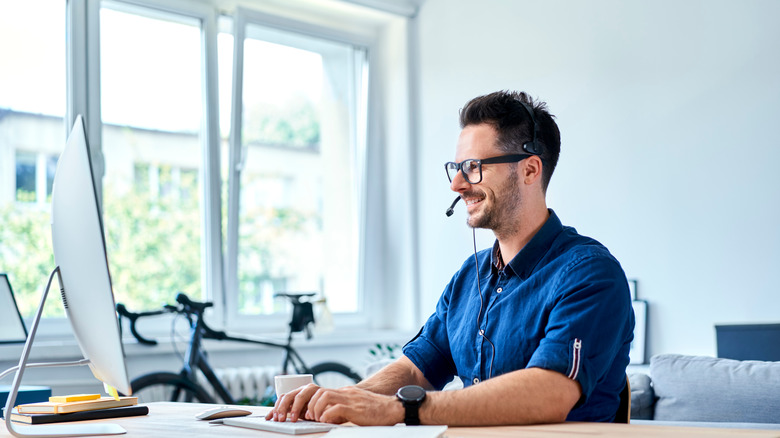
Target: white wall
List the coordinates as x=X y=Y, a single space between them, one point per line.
x=667 y=111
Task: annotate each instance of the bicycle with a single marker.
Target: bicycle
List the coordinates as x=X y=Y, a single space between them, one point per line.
x=184 y=386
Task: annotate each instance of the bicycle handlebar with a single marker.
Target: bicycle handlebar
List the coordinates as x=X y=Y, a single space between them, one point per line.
x=186 y=307
x=302 y=316
x=133 y=317
x=197 y=306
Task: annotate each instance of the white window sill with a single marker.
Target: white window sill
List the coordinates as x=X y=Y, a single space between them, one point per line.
x=53 y=349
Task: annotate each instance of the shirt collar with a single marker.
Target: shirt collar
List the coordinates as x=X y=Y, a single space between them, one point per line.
x=533 y=251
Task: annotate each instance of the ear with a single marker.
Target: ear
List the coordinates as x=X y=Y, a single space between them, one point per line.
x=531 y=170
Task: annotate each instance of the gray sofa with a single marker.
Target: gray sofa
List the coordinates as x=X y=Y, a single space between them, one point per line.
x=707 y=391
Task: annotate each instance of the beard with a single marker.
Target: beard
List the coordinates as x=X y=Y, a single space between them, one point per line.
x=500 y=208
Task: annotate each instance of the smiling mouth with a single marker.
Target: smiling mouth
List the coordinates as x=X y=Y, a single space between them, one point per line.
x=473 y=200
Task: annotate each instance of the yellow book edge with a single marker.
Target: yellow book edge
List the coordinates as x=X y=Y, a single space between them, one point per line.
x=73 y=398
x=79 y=406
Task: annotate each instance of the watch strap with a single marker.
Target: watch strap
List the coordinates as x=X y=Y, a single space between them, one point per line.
x=412 y=416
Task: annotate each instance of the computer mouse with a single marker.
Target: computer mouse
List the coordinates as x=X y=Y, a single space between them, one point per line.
x=222 y=412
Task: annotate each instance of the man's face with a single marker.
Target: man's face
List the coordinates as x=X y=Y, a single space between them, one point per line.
x=495 y=202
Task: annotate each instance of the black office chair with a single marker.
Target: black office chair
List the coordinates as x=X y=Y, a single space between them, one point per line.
x=623 y=414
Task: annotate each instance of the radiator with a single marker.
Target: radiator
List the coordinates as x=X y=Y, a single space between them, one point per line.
x=249 y=382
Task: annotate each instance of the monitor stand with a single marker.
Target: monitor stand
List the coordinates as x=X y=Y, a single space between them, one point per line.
x=49 y=430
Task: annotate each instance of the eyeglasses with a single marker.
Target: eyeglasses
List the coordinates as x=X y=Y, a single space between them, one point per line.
x=472 y=168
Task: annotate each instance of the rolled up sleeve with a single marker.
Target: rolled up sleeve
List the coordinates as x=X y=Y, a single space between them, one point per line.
x=590 y=321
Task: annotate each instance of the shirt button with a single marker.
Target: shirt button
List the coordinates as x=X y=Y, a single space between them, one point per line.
x=476 y=380
x=482 y=332
x=500 y=289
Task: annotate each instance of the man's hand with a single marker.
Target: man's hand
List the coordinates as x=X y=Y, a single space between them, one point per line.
x=349 y=404
x=292 y=403
x=355 y=405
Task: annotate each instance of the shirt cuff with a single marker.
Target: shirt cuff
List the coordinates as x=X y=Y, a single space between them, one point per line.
x=565 y=358
x=429 y=360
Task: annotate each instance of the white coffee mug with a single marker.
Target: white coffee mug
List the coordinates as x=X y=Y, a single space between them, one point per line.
x=288 y=382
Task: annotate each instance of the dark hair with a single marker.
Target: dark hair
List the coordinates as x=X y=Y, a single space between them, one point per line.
x=505 y=112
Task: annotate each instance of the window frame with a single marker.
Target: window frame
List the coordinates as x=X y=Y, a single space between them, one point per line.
x=380 y=273
x=242 y=18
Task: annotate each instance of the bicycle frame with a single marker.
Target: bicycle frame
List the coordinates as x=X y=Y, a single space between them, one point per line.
x=195 y=358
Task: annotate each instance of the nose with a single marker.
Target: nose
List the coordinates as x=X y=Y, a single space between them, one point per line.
x=459 y=183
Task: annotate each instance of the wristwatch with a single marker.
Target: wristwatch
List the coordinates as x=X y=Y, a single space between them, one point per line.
x=411 y=396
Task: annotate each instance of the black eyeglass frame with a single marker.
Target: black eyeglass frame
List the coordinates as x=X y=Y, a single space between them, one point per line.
x=512 y=158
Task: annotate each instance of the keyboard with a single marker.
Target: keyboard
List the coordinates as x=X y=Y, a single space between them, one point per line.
x=300 y=427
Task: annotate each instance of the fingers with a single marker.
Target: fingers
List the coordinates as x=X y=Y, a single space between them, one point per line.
x=313 y=401
x=292 y=403
x=323 y=401
x=282 y=406
x=335 y=414
x=302 y=401
x=318 y=404
x=354 y=405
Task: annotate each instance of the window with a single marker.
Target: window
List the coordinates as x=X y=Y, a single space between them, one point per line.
x=151 y=112
x=297 y=215
x=32 y=134
x=277 y=206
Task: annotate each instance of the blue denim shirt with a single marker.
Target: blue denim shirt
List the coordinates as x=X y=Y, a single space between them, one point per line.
x=561 y=304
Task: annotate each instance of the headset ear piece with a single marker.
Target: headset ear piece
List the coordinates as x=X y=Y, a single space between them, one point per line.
x=532 y=148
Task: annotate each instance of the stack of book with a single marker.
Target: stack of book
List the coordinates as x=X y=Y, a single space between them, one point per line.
x=77 y=407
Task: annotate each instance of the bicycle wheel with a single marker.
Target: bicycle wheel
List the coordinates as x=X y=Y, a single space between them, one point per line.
x=334 y=375
x=168 y=387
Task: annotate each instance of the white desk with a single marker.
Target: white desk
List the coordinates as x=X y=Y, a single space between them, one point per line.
x=178 y=420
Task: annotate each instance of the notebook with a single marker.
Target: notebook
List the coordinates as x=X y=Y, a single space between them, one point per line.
x=127 y=411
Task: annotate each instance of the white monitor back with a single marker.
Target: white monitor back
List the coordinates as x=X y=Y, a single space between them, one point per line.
x=80 y=253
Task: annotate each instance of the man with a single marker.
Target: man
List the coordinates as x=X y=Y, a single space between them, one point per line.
x=538 y=327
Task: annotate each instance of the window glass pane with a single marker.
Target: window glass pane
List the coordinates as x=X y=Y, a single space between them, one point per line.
x=32 y=135
x=25 y=176
x=298 y=215
x=151 y=111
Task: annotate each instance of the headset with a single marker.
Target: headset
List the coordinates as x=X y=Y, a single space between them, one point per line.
x=532 y=147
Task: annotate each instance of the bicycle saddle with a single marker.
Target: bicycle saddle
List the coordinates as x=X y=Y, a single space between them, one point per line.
x=293 y=296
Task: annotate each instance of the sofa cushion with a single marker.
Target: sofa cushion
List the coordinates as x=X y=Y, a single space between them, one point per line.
x=697 y=388
x=642 y=397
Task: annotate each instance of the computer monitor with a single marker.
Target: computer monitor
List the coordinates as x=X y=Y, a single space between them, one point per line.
x=80 y=252
x=82 y=268
x=12 y=327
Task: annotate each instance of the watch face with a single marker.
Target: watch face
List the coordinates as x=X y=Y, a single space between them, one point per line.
x=411 y=393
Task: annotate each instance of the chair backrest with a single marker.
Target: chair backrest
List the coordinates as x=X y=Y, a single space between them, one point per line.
x=623 y=414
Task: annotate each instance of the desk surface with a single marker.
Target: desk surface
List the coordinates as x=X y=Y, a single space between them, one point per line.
x=178 y=420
